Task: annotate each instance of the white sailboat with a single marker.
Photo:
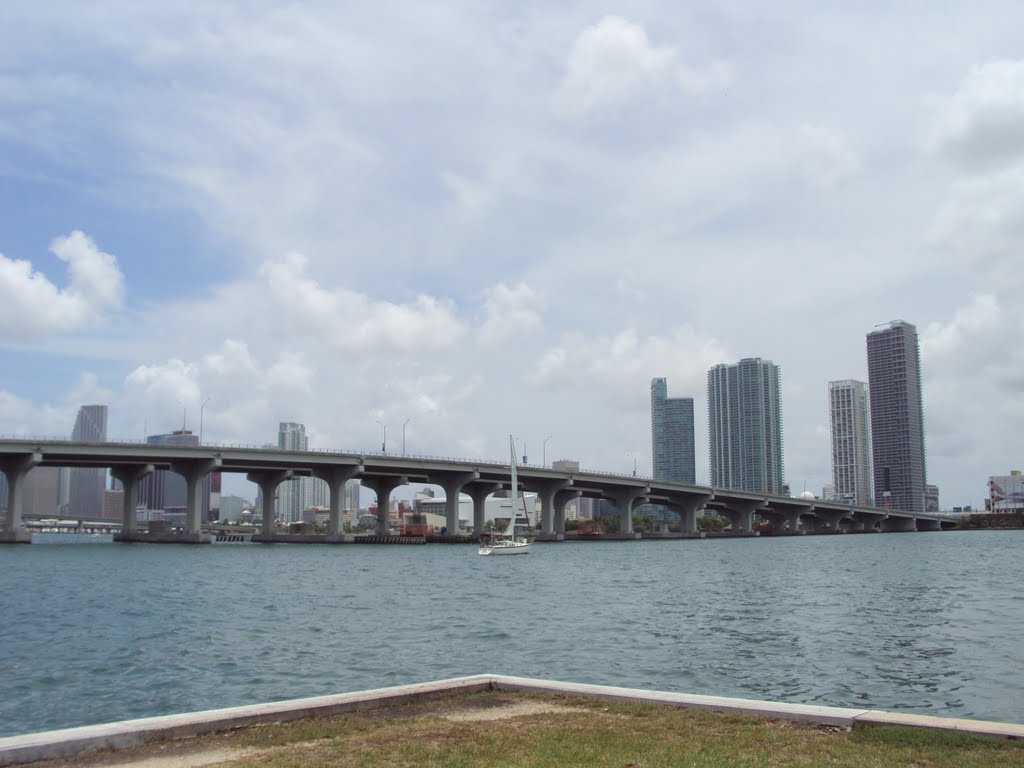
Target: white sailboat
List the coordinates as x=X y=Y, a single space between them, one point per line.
x=506 y=543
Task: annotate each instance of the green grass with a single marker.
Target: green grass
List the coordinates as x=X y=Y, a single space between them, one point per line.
x=594 y=734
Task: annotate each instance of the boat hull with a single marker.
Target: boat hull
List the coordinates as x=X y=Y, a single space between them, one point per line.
x=516 y=548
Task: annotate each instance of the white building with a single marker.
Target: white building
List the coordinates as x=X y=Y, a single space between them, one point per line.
x=300 y=493
x=851 y=441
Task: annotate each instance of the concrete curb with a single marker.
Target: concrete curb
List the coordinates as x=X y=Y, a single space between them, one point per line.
x=48 y=745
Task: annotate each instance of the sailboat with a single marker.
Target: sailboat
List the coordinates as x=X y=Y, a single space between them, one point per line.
x=506 y=543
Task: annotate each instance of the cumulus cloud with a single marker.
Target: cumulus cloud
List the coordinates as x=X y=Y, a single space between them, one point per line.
x=613 y=59
x=31 y=306
x=982 y=123
x=510 y=312
x=351 y=320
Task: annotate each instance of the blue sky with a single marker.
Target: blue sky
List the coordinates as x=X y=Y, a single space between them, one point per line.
x=495 y=218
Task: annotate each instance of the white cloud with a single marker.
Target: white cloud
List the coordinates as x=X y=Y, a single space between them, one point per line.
x=982 y=123
x=613 y=60
x=31 y=306
x=511 y=312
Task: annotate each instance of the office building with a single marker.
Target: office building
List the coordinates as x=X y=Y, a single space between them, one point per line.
x=1006 y=493
x=298 y=494
x=851 y=442
x=897 y=417
x=85 y=484
x=673 y=449
x=745 y=426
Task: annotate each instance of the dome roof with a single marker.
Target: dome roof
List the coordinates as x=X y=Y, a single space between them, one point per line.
x=807 y=495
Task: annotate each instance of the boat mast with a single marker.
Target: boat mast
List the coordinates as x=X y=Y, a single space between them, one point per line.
x=511 y=531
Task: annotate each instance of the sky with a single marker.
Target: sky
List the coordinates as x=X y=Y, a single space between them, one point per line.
x=469 y=220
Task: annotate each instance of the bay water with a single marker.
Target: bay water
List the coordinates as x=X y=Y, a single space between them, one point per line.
x=922 y=622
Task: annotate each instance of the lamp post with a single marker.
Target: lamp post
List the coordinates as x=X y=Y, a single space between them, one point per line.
x=201 y=407
x=544 y=450
x=184 y=413
x=384 y=436
x=403 y=434
x=631 y=454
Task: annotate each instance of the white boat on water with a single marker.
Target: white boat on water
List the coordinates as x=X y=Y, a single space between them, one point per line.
x=506 y=543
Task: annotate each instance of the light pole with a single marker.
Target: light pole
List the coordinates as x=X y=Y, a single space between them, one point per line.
x=631 y=454
x=184 y=413
x=403 y=435
x=201 y=407
x=544 y=450
x=384 y=437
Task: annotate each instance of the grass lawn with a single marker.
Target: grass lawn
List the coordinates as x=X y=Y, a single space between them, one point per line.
x=503 y=729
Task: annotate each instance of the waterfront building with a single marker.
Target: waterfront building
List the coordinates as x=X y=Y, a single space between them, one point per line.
x=86 y=484
x=745 y=426
x=897 y=417
x=851 y=442
x=672 y=435
x=1006 y=493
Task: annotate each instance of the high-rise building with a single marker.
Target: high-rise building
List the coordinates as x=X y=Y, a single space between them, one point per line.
x=851 y=444
x=745 y=426
x=897 y=417
x=86 y=485
x=673 y=448
x=298 y=494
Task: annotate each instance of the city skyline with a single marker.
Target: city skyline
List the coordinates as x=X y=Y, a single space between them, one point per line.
x=506 y=219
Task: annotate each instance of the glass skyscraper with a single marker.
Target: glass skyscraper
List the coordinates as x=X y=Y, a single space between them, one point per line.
x=85 y=485
x=672 y=443
x=745 y=426
x=851 y=448
x=897 y=417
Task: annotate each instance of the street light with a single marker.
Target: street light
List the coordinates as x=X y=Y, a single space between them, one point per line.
x=630 y=453
x=384 y=437
x=201 y=407
x=184 y=413
x=403 y=435
x=544 y=450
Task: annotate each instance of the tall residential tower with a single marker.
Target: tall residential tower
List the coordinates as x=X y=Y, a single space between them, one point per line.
x=672 y=444
x=897 y=417
x=85 y=485
x=851 y=449
x=745 y=426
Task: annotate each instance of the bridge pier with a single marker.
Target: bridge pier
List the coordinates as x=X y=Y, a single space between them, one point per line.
x=741 y=515
x=194 y=471
x=899 y=524
x=624 y=501
x=829 y=520
x=15 y=468
x=453 y=485
x=479 y=492
x=562 y=498
x=268 y=482
x=336 y=477
x=128 y=476
x=547 y=490
x=383 y=486
x=688 y=507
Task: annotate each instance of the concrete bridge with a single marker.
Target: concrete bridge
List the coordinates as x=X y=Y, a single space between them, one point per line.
x=268 y=467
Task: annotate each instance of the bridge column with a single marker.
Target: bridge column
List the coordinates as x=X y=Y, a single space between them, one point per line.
x=830 y=519
x=624 y=499
x=898 y=523
x=478 y=493
x=268 y=482
x=128 y=476
x=194 y=471
x=15 y=468
x=383 y=486
x=336 y=477
x=547 y=489
x=741 y=515
x=688 y=507
x=453 y=485
x=562 y=498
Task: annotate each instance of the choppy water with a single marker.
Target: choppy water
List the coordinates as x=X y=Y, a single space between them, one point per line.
x=929 y=623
